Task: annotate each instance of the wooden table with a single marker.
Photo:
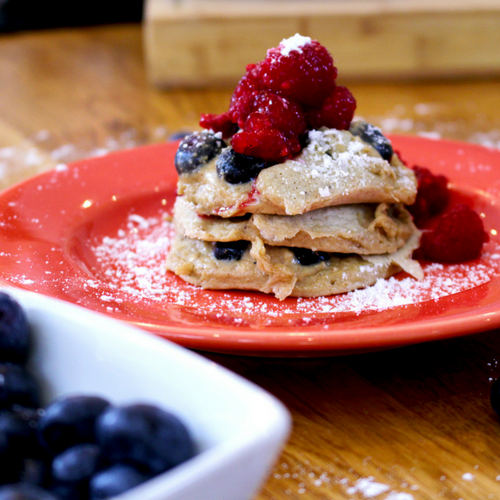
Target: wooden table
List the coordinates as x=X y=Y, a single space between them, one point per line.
x=416 y=419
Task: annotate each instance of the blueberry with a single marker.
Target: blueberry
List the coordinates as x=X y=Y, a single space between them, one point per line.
x=30 y=415
x=230 y=250
x=180 y=134
x=36 y=472
x=196 y=150
x=11 y=469
x=373 y=136
x=24 y=492
x=14 y=331
x=71 y=420
x=237 y=168
x=77 y=463
x=69 y=491
x=144 y=435
x=20 y=437
x=21 y=456
x=115 y=480
x=308 y=257
x=17 y=386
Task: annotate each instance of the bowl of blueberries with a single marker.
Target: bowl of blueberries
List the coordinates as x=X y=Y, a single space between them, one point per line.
x=93 y=408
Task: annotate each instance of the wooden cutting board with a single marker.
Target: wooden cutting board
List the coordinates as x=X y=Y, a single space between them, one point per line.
x=199 y=43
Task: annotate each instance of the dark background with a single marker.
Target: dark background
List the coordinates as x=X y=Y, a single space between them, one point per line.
x=17 y=15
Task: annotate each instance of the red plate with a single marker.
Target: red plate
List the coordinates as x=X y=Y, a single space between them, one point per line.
x=94 y=234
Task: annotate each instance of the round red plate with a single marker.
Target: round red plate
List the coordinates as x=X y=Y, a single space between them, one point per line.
x=94 y=234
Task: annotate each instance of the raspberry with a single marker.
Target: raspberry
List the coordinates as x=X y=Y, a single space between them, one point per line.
x=268 y=143
x=458 y=237
x=271 y=129
x=242 y=100
x=336 y=111
x=432 y=195
x=219 y=123
x=302 y=72
x=272 y=103
x=283 y=114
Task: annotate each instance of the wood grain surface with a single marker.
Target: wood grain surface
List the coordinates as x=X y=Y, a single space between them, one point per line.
x=407 y=424
x=199 y=42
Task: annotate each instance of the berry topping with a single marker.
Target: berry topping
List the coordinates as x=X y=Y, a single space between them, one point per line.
x=373 y=136
x=219 y=123
x=458 y=237
x=230 y=250
x=280 y=98
x=237 y=168
x=242 y=100
x=336 y=111
x=279 y=112
x=196 y=150
x=269 y=144
x=308 y=257
x=300 y=69
x=432 y=195
x=271 y=128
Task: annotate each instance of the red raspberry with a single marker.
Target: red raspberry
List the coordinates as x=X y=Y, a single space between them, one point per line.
x=336 y=111
x=219 y=123
x=273 y=118
x=283 y=114
x=305 y=74
x=242 y=100
x=267 y=143
x=257 y=121
x=458 y=237
x=432 y=195
x=270 y=101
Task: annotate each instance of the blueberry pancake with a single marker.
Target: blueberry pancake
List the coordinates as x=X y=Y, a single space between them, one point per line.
x=336 y=167
x=363 y=229
x=284 y=193
x=295 y=272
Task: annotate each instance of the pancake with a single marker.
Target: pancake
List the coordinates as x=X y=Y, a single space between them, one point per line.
x=277 y=270
x=363 y=228
x=335 y=168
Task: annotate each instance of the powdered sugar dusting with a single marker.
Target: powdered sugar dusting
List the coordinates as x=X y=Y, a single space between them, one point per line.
x=295 y=42
x=368 y=487
x=132 y=262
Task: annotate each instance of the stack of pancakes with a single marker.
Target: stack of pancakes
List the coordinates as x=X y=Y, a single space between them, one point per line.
x=328 y=221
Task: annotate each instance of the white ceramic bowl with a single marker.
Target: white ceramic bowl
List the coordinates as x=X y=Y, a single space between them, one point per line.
x=239 y=428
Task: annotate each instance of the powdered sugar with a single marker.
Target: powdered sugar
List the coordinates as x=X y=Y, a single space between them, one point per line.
x=304 y=479
x=295 y=42
x=368 y=487
x=133 y=263
x=333 y=157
